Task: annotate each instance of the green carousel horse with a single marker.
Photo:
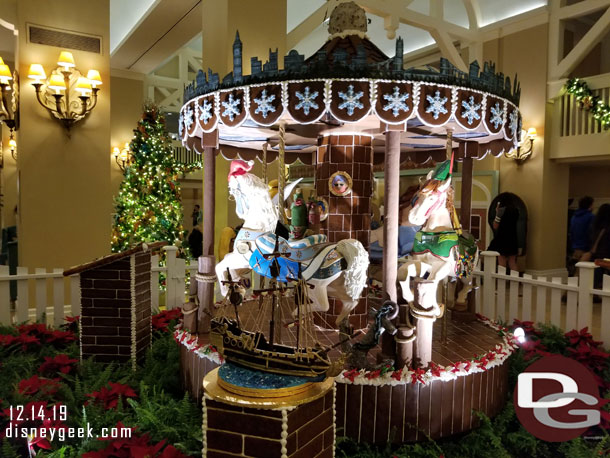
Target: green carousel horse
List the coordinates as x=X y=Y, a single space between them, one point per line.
x=441 y=248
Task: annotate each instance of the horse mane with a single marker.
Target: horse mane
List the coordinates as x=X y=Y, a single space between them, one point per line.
x=257 y=192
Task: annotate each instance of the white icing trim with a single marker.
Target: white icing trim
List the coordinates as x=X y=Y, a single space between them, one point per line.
x=284 y=434
x=202 y=351
x=501 y=352
x=204 y=424
x=132 y=287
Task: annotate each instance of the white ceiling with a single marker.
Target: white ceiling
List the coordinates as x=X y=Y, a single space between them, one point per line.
x=127 y=16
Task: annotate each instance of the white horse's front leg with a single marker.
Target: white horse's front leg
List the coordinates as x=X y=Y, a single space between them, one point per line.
x=462 y=295
x=411 y=269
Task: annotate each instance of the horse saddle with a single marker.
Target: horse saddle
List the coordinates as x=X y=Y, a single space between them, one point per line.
x=300 y=250
x=317 y=257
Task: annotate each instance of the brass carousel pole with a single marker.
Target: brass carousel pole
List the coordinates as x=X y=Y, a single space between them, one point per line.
x=281 y=176
x=264 y=177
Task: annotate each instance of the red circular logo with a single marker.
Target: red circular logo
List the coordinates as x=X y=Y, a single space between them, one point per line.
x=557 y=399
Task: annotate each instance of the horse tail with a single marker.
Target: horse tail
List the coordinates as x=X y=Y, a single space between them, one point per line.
x=357 y=265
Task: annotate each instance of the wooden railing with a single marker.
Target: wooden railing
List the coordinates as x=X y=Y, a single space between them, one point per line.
x=42 y=297
x=575 y=134
x=527 y=297
x=576 y=120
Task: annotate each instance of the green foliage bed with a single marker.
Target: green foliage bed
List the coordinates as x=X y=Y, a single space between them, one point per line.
x=39 y=368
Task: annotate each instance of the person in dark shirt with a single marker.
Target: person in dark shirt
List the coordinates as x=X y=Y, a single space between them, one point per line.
x=580 y=227
x=196 y=242
x=505 y=235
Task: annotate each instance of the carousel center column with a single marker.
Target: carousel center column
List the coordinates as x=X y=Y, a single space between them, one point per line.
x=346 y=161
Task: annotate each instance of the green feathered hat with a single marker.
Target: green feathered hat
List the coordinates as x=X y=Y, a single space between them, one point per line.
x=443 y=170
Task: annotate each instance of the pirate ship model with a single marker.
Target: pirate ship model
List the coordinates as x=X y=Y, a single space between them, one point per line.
x=290 y=347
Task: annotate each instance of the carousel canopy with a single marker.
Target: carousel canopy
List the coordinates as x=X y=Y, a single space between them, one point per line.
x=350 y=86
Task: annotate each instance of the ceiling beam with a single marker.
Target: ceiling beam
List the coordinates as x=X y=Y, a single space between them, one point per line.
x=582 y=8
x=437 y=8
x=473 y=10
x=307 y=26
x=448 y=49
x=582 y=48
x=415 y=19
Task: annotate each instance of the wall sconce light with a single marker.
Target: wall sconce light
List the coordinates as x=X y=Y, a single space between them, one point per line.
x=122 y=156
x=12 y=145
x=525 y=148
x=9 y=103
x=65 y=84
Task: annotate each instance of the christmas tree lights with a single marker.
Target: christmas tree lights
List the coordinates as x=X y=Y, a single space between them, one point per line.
x=148 y=206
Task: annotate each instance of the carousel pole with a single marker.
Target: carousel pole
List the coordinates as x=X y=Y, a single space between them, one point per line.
x=206 y=276
x=264 y=177
x=281 y=175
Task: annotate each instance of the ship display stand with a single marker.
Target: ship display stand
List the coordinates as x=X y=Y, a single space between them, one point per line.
x=343 y=110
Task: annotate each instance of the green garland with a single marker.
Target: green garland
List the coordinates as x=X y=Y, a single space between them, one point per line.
x=590 y=102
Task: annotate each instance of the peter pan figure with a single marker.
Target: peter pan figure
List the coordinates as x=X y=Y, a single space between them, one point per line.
x=298 y=215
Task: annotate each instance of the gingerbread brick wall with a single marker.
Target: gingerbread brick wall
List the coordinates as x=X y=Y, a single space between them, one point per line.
x=349 y=216
x=115 y=324
x=242 y=431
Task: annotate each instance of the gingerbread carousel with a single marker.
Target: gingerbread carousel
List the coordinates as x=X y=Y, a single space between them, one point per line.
x=403 y=368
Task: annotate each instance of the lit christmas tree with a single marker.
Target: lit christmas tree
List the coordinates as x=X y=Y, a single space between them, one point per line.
x=149 y=207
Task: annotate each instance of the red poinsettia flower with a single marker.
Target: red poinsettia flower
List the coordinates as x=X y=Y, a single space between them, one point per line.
x=435 y=369
x=60 y=337
x=37 y=441
x=161 y=321
x=33 y=329
x=373 y=374
x=60 y=363
x=418 y=375
x=34 y=385
x=110 y=397
x=7 y=340
x=351 y=374
x=528 y=326
x=172 y=452
x=397 y=375
x=27 y=341
x=582 y=337
x=592 y=357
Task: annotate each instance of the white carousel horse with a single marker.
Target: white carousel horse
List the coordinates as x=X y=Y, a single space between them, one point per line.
x=333 y=270
x=439 y=249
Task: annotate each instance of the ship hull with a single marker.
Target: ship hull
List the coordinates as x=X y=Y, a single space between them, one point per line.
x=251 y=350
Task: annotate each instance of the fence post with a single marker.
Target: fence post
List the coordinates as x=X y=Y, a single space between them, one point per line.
x=605 y=318
x=5 y=297
x=586 y=271
x=170 y=282
x=489 y=283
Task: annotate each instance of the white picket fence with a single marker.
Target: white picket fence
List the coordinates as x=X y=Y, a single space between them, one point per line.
x=541 y=299
x=53 y=299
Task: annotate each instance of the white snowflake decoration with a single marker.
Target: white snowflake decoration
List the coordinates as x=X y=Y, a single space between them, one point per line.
x=180 y=125
x=497 y=114
x=396 y=102
x=188 y=117
x=264 y=104
x=470 y=110
x=436 y=104
x=513 y=122
x=351 y=101
x=231 y=107
x=306 y=100
x=206 y=112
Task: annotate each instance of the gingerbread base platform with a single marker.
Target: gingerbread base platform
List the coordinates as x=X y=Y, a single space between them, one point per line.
x=469 y=373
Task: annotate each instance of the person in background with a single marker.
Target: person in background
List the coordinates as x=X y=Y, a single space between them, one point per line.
x=196 y=215
x=196 y=241
x=600 y=249
x=505 y=235
x=580 y=228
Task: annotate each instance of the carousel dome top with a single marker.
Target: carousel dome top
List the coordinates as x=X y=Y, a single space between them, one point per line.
x=350 y=85
x=347 y=19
